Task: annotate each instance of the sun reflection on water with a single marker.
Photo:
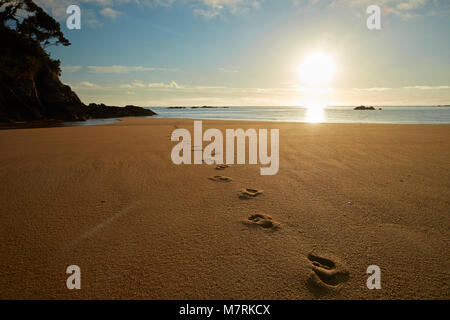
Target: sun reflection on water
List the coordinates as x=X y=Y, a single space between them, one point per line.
x=315 y=112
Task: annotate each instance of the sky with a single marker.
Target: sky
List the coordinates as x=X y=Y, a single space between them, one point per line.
x=251 y=52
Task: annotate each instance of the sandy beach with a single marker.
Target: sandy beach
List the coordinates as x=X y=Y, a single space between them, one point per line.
x=110 y=200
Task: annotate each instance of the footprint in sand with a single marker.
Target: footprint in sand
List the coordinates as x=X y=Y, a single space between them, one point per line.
x=248 y=193
x=262 y=220
x=220 y=179
x=221 y=167
x=327 y=275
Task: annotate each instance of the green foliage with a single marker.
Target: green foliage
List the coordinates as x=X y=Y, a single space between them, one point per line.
x=38 y=25
x=20 y=57
x=26 y=29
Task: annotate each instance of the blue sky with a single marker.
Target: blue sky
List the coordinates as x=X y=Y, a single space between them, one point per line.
x=239 y=52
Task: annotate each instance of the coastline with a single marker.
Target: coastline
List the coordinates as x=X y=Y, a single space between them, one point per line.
x=109 y=199
x=388 y=115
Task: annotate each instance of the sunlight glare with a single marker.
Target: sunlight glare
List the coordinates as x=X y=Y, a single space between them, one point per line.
x=317 y=69
x=315 y=112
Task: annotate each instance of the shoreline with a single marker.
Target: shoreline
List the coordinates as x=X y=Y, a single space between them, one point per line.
x=56 y=123
x=97 y=121
x=64 y=124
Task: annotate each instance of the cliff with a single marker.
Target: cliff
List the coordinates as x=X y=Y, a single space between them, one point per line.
x=30 y=88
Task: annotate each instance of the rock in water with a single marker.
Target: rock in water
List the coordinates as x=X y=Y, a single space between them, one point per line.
x=364 y=108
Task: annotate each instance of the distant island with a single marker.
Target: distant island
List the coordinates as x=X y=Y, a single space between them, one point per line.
x=203 y=107
x=209 y=107
x=364 y=108
x=30 y=88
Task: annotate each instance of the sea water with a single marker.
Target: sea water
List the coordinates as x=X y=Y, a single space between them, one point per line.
x=394 y=115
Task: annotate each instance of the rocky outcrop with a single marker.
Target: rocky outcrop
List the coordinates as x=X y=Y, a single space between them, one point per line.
x=103 y=111
x=39 y=97
x=46 y=98
x=30 y=89
x=364 y=108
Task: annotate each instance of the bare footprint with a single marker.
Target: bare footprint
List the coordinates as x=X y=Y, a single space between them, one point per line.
x=327 y=275
x=262 y=220
x=221 y=167
x=247 y=193
x=220 y=179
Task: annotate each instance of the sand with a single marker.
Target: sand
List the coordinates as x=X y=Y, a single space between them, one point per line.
x=109 y=199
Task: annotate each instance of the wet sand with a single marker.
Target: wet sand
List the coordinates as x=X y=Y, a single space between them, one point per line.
x=110 y=200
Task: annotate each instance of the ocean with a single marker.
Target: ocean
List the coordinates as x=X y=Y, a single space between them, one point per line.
x=392 y=115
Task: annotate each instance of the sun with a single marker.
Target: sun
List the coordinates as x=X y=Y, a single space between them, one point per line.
x=317 y=69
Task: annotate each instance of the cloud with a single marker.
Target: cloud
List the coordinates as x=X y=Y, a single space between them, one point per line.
x=428 y=87
x=70 y=68
x=215 y=8
x=208 y=14
x=170 y=85
x=89 y=84
x=375 y=89
x=402 y=8
x=136 y=84
x=91 y=9
x=57 y=9
x=110 y=13
x=124 y=69
x=85 y=85
x=173 y=93
x=94 y=10
x=411 y=4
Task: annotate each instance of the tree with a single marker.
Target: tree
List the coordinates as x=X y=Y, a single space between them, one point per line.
x=31 y=21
